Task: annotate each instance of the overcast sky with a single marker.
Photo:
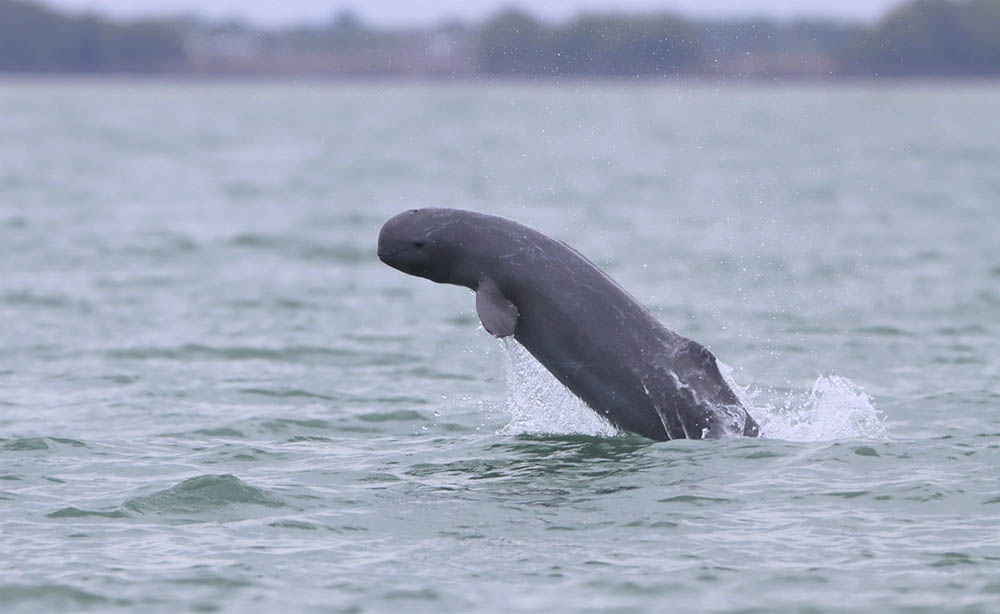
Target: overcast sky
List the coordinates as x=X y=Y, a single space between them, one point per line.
x=397 y=12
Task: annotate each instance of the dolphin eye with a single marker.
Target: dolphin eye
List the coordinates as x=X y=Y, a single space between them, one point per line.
x=418 y=244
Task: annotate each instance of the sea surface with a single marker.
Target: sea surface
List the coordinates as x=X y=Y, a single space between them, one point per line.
x=214 y=397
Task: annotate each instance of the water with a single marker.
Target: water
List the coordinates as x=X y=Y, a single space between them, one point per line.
x=215 y=398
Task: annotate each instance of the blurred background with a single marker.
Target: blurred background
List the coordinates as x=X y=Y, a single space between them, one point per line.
x=552 y=40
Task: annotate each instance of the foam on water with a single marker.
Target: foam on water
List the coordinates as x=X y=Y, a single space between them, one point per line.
x=835 y=407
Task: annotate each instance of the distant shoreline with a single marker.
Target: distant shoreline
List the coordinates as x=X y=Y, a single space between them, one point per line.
x=919 y=39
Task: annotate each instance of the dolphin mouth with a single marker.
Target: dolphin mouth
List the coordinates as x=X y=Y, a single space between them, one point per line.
x=386 y=256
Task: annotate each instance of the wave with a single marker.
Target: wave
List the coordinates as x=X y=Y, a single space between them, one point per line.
x=53 y=597
x=198 y=351
x=295 y=247
x=75 y=512
x=22 y=444
x=203 y=493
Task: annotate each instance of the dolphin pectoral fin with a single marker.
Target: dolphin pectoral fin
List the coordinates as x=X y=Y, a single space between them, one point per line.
x=496 y=312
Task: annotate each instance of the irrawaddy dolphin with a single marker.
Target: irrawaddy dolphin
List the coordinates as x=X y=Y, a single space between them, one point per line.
x=578 y=322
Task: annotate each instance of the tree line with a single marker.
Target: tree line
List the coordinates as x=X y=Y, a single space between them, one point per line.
x=34 y=38
x=919 y=37
x=932 y=37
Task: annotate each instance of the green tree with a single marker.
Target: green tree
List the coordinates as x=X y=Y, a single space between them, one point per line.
x=513 y=43
x=35 y=38
x=591 y=45
x=934 y=37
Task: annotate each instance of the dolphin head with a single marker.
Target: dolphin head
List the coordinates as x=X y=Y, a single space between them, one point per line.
x=419 y=242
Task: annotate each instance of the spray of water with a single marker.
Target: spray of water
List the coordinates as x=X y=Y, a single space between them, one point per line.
x=538 y=403
x=835 y=408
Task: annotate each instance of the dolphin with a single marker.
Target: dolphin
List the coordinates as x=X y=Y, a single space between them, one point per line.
x=594 y=337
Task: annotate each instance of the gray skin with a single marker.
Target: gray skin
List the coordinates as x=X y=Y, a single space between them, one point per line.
x=582 y=326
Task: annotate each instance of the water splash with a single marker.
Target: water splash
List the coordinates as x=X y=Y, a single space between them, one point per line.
x=538 y=403
x=835 y=408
